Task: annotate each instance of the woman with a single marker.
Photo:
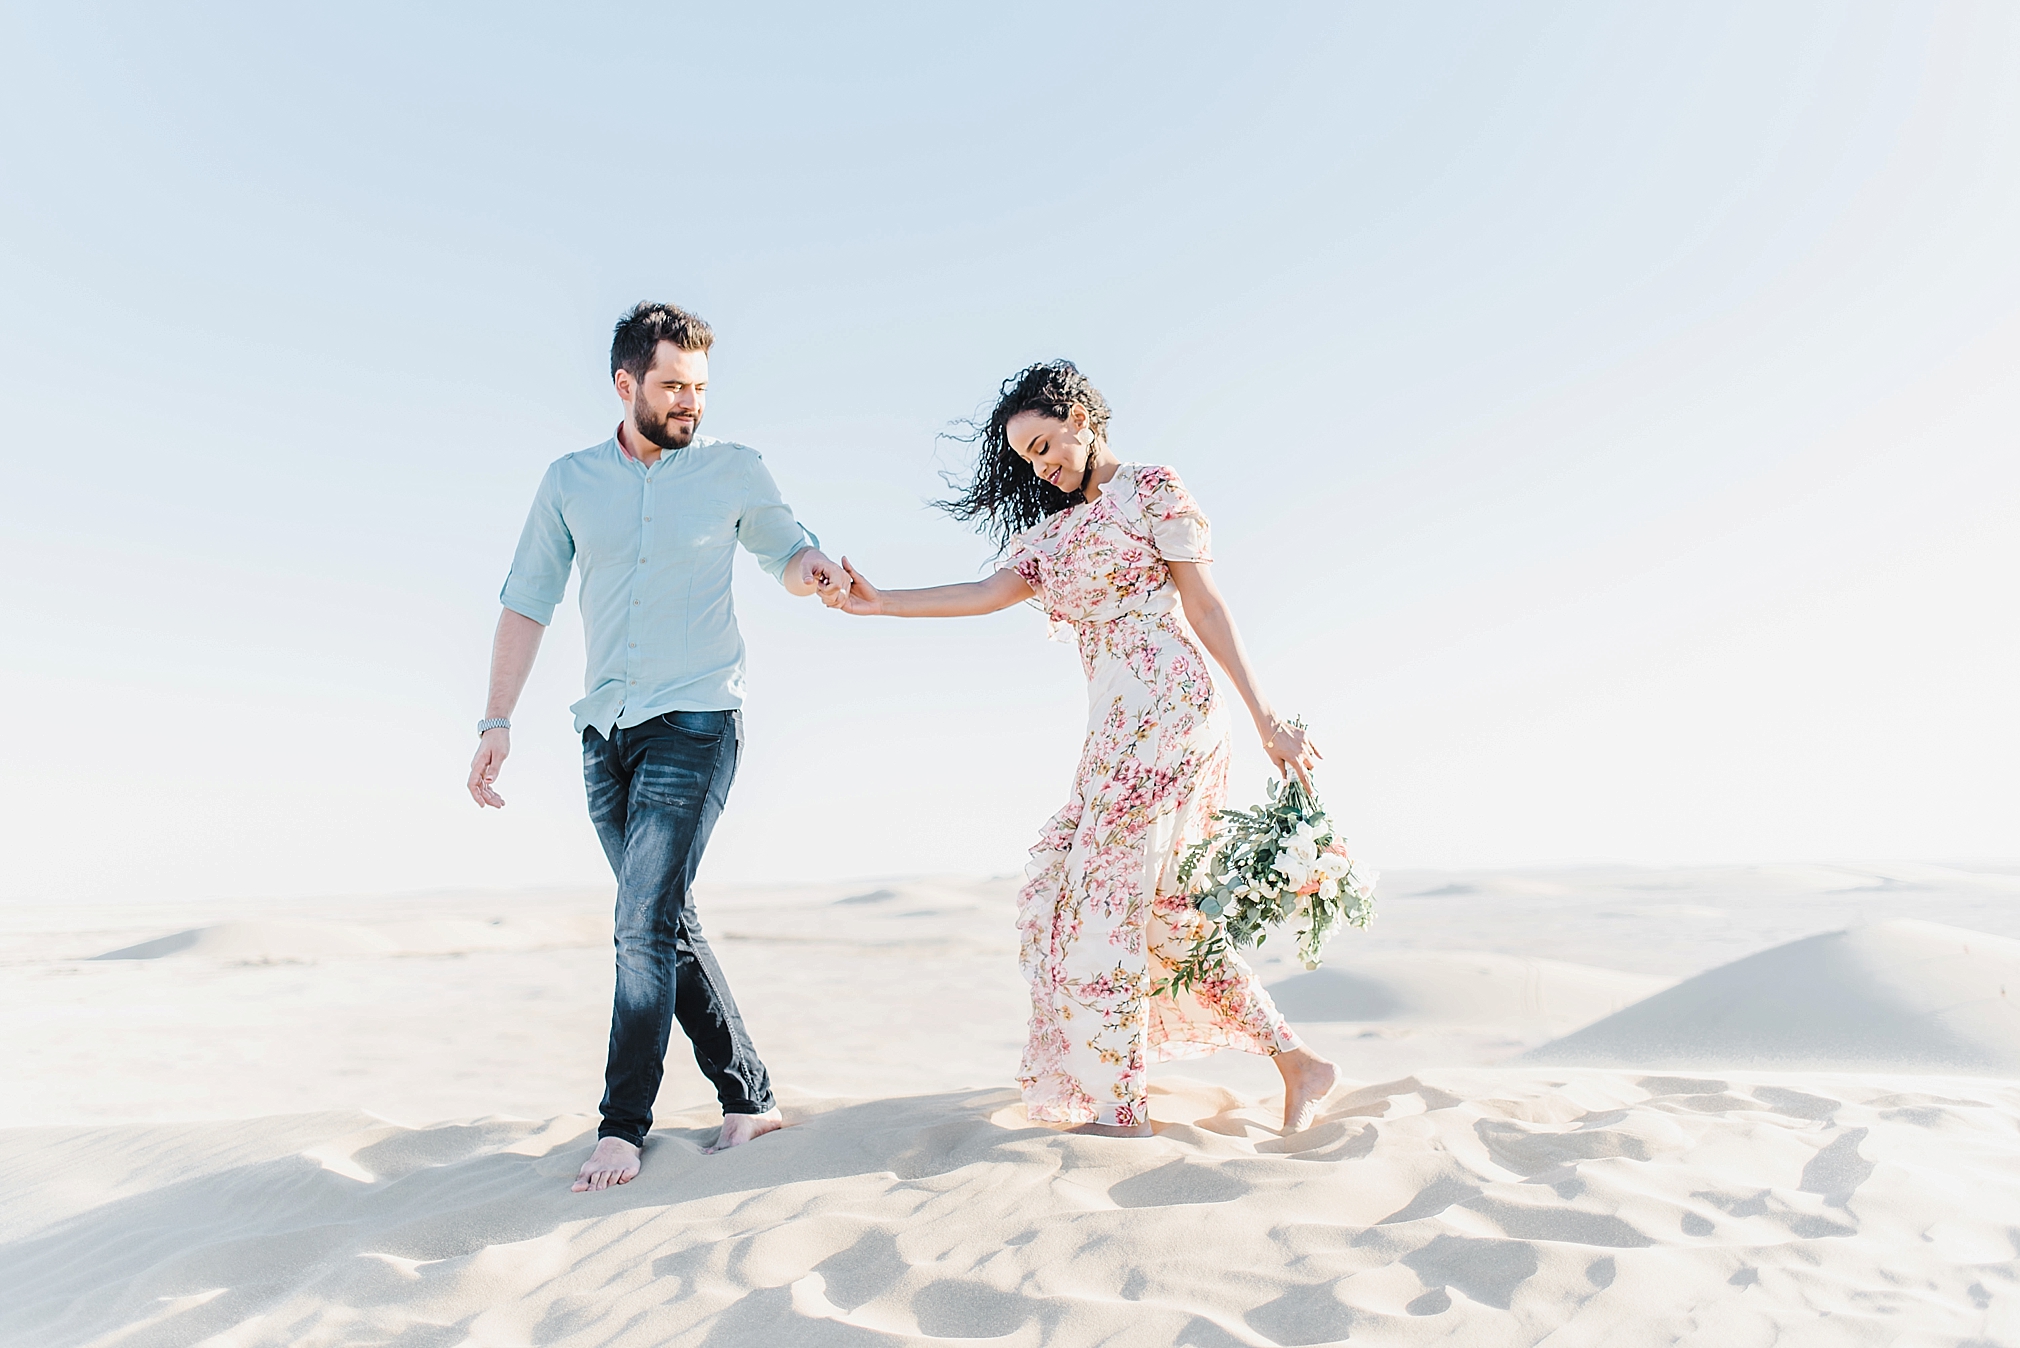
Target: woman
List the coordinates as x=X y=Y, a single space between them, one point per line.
x=1118 y=551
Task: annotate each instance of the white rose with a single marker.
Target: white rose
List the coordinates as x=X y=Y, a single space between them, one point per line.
x=1296 y=871
x=1332 y=865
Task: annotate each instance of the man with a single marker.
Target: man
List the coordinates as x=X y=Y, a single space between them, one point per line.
x=652 y=517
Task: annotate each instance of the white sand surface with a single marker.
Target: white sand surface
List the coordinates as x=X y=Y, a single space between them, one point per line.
x=1473 y=1206
x=353 y=1122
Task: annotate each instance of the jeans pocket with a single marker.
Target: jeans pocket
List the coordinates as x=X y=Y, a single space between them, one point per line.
x=707 y=725
x=679 y=760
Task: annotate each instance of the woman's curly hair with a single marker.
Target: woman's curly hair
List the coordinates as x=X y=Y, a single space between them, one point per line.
x=1004 y=494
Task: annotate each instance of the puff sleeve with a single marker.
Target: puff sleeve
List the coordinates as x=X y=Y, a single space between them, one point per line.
x=1177 y=525
x=1022 y=558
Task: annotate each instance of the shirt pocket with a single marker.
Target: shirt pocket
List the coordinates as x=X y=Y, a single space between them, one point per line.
x=707 y=522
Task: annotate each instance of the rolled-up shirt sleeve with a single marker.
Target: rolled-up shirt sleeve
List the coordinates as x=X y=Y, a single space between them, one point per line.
x=767 y=526
x=539 y=575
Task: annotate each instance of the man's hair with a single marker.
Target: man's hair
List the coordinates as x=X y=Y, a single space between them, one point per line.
x=640 y=332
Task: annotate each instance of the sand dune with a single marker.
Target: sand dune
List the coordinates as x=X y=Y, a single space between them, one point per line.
x=1481 y=1208
x=1459 y=988
x=275 y=940
x=1905 y=994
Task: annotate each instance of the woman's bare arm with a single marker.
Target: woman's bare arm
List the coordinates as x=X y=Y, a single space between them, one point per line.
x=1287 y=746
x=999 y=591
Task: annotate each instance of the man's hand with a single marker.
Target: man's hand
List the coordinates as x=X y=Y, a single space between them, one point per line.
x=819 y=575
x=492 y=746
x=512 y=652
x=834 y=589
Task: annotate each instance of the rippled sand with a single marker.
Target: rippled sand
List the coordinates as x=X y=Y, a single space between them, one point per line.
x=355 y=1124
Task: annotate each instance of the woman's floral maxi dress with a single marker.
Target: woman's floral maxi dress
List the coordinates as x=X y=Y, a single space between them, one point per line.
x=1100 y=919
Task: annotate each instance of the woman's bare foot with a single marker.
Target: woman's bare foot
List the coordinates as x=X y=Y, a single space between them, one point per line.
x=614 y=1161
x=1308 y=1078
x=738 y=1129
x=1111 y=1129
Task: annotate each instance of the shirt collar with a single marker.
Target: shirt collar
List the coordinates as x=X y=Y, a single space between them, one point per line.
x=665 y=455
x=625 y=449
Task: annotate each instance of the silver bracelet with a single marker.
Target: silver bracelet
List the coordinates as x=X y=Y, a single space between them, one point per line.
x=495 y=723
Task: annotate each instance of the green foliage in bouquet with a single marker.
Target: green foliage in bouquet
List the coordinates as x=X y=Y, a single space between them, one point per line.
x=1268 y=866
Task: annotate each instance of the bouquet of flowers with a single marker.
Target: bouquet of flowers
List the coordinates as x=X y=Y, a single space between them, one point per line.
x=1279 y=861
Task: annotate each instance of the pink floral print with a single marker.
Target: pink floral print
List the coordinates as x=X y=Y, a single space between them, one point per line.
x=1100 y=919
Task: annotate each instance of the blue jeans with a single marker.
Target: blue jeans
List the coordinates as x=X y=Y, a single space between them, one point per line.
x=655 y=792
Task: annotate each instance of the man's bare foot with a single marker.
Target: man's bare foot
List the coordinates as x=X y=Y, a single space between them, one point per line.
x=1308 y=1078
x=1111 y=1129
x=738 y=1129
x=614 y=1161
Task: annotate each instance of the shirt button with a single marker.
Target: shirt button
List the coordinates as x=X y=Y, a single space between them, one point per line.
x=641 y=561
x=634 y=645
x=648 y=519
x=634 y=603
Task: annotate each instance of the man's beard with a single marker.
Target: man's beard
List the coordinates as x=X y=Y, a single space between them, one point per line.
x=657 y=431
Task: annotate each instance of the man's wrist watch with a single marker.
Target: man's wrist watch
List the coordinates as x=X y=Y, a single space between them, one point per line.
x=493 y=723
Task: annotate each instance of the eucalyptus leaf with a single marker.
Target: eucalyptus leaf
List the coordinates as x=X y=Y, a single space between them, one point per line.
x=1243 y=851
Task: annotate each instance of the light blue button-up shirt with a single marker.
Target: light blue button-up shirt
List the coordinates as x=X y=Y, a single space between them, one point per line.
x=654 y=544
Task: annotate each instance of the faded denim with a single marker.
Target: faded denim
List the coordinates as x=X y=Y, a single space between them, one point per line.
x=655 y=792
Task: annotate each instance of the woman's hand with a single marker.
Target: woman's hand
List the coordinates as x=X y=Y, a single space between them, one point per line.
x=1290 y=748
x=861 y=598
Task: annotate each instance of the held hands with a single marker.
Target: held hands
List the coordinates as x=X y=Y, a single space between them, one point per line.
x=492 y=746
x=858 y=595
x=1289 y=747
x=822 y=577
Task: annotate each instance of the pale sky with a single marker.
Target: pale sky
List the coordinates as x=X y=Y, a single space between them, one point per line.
x=1607 y=414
